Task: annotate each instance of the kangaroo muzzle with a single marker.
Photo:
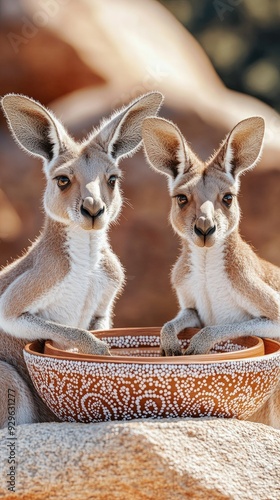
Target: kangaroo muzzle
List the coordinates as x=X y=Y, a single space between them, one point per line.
x=92 y=208
x=204 y=226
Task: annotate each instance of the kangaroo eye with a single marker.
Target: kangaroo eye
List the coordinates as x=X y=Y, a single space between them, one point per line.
x=63 y=182
x=112 y=181
x=181 y=200
x=227 y=199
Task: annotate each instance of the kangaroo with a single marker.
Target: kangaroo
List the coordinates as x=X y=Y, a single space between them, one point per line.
x=222 y=286
x=67 y=281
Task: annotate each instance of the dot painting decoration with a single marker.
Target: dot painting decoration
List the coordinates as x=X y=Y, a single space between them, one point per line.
x=135 y=384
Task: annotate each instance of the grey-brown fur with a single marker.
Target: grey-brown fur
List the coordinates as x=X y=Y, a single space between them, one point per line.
x=222 y=286
x=68 y=280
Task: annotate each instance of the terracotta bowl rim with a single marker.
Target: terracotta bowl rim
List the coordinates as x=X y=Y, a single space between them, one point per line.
x=256 y=347
x=272 y=346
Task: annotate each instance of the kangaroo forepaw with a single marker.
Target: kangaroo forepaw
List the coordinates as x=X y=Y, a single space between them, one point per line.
x=201 y=343
x=99 y=347
x=87 y=343
x=169 y=343
x=172 y=351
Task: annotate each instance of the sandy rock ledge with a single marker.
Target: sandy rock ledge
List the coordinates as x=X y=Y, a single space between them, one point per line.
x=198 y=459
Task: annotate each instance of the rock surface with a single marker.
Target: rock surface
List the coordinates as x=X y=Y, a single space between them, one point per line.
x=198 y=459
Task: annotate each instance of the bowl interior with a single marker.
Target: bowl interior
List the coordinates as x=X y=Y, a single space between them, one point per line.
x=142 y=344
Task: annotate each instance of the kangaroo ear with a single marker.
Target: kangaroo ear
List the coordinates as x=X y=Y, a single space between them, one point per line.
x=242 y=148
x=120 y=135
x=33 y=127
x=165 y=148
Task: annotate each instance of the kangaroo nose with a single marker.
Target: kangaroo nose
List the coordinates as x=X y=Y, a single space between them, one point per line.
x=204 y=232
x=204 y=225
x=91 y=208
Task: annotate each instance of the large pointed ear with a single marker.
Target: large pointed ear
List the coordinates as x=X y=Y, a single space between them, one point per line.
x=34 y=128
x=242 y=148
x=165 y=147
x=120 y=135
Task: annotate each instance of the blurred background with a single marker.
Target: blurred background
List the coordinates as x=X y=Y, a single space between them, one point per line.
x=241 y=37
x=216 y=62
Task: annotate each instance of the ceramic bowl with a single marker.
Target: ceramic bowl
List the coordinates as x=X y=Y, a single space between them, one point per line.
x=135 y=382
x=144 y=343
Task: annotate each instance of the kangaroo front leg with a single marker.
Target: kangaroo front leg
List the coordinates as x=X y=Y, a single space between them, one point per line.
x=34 y=327
x=100 y=323
x=202 y=342
x=102 y=319
x=113 y=280
x=169 y=343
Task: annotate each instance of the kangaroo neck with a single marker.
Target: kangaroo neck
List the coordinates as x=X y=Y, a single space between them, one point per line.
x=73 y=240
x=202 y=255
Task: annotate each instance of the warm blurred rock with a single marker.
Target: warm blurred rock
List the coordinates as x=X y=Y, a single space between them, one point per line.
x=92 y=56
x=42 y=66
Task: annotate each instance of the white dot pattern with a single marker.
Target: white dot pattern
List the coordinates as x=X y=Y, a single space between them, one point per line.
x=137 y=344
x=90 y=391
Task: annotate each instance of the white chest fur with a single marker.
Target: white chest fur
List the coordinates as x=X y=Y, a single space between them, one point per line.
x=208 y=289
x=74 y=300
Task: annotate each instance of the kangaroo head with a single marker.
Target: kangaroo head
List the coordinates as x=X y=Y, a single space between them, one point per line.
x=204 y=195
x=82 y=178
